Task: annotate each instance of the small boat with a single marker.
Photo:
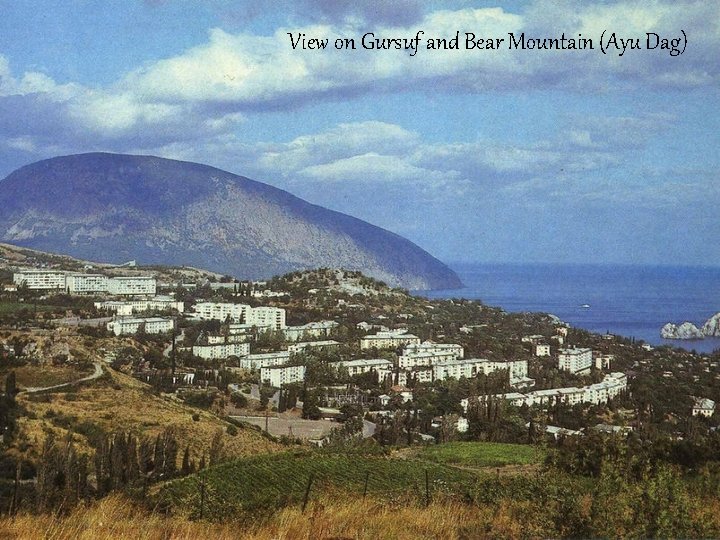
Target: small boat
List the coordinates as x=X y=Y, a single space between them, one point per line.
x=585 y=306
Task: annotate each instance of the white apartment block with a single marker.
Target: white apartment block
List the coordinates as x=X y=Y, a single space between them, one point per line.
x=603 y=361
x=410 y=360
x=318 y=329
x=217 y=339
x=575 y=360
x=86 y=283
x=221 y=351
x=279 y=375
x=389 y=340
x=440 y=349
x=541 y=350
x=300 y=347
x=78 y=283
x=266 y=316
x=237 y=329
x=264 y=360
x=128 y=307
x=40 y=279
x=220 y=311
x=356 y=367
x=152 y=325
x=455 y=369
x=611 y=386
x=132 y=285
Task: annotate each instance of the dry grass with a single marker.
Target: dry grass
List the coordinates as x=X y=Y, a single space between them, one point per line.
x=116 y=517
x=326 y=518
x=121 y=403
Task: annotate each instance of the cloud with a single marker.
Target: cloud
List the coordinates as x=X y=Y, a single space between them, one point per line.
x=248 y=72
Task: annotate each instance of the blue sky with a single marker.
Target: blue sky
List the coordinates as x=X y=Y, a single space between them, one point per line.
x=499 y=156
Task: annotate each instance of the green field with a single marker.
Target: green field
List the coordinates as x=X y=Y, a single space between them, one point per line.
x=13 y=307
x=268 y=482
x=481 y=454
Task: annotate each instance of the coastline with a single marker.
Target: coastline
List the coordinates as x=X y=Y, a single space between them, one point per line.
x=633 y=301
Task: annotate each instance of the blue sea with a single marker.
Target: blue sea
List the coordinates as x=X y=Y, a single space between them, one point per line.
x=632 y=301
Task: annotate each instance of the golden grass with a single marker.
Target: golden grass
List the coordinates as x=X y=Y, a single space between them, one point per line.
x=117 y=517
x=325 y=518
x=126 y=404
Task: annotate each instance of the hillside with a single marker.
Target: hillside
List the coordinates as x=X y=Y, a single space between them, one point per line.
x=115 y=208
x=118 y=403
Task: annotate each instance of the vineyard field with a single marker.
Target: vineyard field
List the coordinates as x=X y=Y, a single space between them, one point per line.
x=273 y=481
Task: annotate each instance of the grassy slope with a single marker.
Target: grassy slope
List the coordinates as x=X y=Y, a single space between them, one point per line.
x=118 y=402
x=271 y=481
x=480 y=454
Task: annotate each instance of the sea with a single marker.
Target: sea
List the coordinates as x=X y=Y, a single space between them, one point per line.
x=627 y=300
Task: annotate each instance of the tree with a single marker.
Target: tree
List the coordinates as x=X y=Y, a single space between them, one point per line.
x=11 y=386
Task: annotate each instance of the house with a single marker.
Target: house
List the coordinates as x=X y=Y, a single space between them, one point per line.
x=541 y=350
x=703 y=407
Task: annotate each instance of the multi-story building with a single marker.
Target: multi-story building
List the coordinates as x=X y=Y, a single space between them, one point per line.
x=575 y=360
x=257 y=361
x=266 y=316
x=440 y=349
x=389 y=340
x=603 y=361
x=40 y=279
x=472 y=367
x=356 y=367
x=320 y=329
x=128 y=307
x=278 y=376
x=221 y=351
x=132 y=285
x=150 y=325
x=220 y=311
x=299 y=347
x=217 y=339
x=86 y=283
x=541 y=350
x=612 y=385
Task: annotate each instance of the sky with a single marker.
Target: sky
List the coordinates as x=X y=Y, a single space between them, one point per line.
x=504 y=155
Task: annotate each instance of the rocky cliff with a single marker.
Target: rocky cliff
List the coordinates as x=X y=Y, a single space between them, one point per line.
x=115 y=207
x=688 y=330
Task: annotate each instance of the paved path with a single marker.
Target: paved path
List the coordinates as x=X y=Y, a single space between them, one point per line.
x=96 y=374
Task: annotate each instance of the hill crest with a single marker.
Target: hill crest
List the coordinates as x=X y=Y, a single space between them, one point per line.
x=117 y=207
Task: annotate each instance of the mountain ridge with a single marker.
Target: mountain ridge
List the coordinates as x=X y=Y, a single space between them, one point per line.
x=116 y=207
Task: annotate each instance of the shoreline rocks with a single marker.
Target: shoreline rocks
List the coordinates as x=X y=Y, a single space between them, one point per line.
x=687 y=330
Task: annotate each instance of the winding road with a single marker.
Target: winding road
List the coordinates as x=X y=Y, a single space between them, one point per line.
x=96 y=374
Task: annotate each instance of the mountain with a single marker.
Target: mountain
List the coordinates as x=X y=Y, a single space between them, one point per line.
x=116 y=207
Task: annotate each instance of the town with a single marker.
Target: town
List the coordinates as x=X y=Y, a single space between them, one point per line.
x=228 y=345
x=206 y=396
